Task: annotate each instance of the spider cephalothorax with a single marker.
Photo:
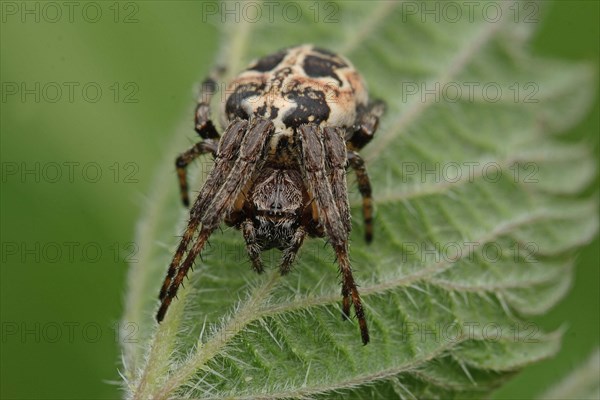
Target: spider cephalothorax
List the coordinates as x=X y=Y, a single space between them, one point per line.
x=293 y=123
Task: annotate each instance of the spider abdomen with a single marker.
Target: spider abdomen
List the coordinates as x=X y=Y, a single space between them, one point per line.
x=295 y=86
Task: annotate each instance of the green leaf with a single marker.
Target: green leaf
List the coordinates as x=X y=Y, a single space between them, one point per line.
x=478 y=221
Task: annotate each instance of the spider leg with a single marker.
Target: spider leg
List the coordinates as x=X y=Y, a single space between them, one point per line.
x=366 y=126
x=364 y=187
x=181 y=249
x=364 y=130
x=336 y=161
x=289 y=254
x=251 y=150
x=185 y=158
x=312 y=154
x=227 y=152
x=171 y=292
x=205 y=128
x=252 y=247
x=202 y=122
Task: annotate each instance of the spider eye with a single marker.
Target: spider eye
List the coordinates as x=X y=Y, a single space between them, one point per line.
x=275 y=206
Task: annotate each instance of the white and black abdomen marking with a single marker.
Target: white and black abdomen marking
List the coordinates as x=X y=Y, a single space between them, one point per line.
x=296 y=86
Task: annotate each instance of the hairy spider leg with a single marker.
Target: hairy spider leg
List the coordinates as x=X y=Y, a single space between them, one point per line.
x=205 y=128
x=289 y=254
x=202 y=121
x=366 y=126
x=313 y=154
x=363 y=133
x=226 y=154
x=335 y=163
x=251 y=150
x=252 y=246
x=185 y=158
x=364 y=187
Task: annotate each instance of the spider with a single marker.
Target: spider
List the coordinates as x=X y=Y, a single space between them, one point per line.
x=295 y=121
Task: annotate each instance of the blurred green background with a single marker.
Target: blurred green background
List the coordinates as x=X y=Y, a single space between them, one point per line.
x=77 y=163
